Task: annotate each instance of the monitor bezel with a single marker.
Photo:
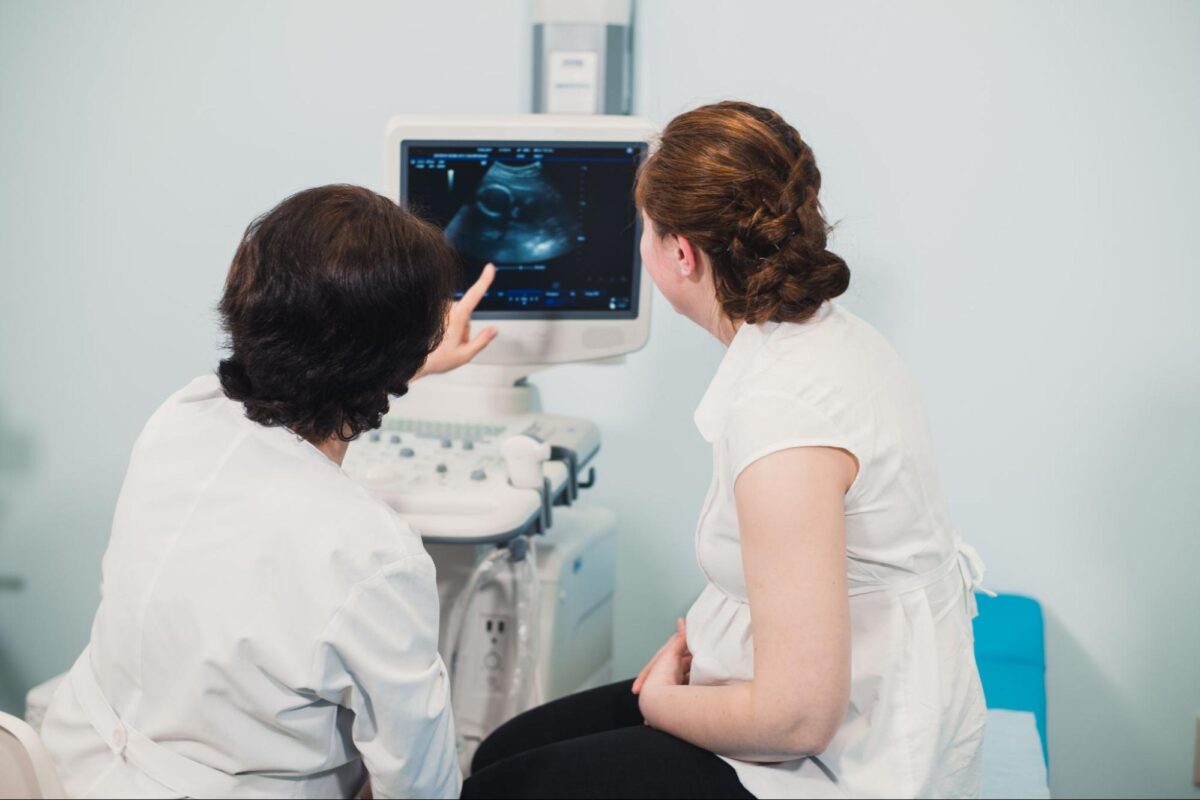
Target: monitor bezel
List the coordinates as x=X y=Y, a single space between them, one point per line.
x=526 y=344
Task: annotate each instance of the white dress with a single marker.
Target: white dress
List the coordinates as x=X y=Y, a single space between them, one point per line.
x=266 y=628
x=916 y=713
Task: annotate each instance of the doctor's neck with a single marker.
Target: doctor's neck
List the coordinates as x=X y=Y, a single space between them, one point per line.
x=333 y=448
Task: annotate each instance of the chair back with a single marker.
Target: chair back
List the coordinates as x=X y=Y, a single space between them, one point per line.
x=26 y=769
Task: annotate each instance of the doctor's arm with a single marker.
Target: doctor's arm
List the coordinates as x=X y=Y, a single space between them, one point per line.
x=378 y=659
x=791 y=515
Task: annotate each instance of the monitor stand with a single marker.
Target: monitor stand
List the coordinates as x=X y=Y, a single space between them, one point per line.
x=474 y=391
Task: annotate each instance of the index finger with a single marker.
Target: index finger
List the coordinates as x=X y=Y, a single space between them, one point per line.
x=472 y=296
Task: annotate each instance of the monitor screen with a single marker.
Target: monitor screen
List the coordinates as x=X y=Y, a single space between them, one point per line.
x=556 y=218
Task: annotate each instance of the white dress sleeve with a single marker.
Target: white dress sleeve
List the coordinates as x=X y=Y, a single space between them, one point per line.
x=767 y=422
x=379 y=659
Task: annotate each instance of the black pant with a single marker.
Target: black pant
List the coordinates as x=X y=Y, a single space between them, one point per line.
x=594 y=744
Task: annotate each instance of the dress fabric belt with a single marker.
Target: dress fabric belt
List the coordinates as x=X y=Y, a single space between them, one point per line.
x=965 y=558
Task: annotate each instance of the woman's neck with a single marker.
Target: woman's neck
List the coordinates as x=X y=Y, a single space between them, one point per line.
x=727 y=329
x=706 y=310
x=718 y=324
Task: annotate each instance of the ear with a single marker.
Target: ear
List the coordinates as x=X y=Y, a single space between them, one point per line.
x=687 y=256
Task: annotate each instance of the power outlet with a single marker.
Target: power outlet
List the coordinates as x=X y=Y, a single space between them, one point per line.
x=495 y=660
x=497 y=629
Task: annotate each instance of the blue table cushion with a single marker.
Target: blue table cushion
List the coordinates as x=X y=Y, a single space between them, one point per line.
x=1011 y=653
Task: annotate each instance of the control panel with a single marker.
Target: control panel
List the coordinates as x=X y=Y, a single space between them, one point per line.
x=464 y=481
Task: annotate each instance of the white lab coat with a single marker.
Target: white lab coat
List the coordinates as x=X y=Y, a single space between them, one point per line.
x=916 y=713
x=266 y=628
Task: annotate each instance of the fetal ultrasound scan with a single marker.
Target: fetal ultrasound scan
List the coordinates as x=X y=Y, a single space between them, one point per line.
x=558 y=221
x=515 y=217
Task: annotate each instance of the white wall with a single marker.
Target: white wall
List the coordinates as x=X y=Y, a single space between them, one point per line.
x=1015 y=185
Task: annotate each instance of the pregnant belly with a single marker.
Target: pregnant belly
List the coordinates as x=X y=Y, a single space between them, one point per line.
x=719 y=636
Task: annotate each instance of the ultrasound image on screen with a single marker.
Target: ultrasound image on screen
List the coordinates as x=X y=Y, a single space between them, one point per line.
x=557 y=220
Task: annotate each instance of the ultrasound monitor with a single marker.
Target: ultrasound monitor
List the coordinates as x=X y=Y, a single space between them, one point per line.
x=548 y=200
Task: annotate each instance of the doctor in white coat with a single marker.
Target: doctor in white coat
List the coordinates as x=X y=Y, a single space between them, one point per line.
x=266 y=627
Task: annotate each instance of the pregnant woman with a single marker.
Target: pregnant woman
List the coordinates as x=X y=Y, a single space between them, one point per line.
x=830 y=653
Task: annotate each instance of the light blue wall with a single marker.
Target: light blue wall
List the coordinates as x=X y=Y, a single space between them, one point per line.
x=137 y=140
x=1016 y=186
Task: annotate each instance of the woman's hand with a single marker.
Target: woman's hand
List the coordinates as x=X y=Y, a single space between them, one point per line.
x=672 y=664
x=667 y=674
x=457 y=347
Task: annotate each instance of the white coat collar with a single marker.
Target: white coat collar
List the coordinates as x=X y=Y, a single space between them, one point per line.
x=207 y=389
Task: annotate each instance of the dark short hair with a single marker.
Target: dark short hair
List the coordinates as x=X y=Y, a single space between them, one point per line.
x=334 y=300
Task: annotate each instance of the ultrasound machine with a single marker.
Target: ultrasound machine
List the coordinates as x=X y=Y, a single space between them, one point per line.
x=470 y=459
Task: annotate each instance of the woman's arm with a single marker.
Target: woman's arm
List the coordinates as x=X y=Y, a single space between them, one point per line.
x=791 y=514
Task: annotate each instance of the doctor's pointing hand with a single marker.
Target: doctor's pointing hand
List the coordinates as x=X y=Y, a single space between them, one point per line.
x=457 y=346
